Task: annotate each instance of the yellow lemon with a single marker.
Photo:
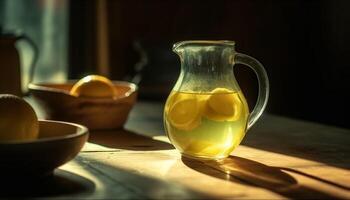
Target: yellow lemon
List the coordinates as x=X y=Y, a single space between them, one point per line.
x=184 y=111
x=18 y=120
x=223 y=105
x=94 y=86
x=202 y=148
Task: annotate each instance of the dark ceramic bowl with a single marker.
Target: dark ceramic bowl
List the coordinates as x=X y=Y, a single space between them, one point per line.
x=58 y=143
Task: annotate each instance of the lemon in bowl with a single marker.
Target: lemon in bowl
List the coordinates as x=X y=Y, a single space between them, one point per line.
x=18 y=120
x=94 y=86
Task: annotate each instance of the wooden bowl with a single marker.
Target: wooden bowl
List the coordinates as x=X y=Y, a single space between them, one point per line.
x=95 y=113
x=58 y=143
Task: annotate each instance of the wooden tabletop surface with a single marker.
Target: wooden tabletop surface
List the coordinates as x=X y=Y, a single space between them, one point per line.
x=279 y=158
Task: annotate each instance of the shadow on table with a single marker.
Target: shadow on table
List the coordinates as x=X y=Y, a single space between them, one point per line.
x=120 y=183
x=301 y=139
x=125 y=139
x=60 y=183
x=256 y=174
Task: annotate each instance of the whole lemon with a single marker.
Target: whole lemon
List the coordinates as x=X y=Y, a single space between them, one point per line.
x=18 y=120
x=93 y=86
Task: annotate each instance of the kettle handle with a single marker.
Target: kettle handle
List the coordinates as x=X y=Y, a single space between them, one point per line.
x=35 y=56
x=263 y=82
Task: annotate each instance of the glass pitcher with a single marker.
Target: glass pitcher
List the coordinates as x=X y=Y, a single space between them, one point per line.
x=206 y=115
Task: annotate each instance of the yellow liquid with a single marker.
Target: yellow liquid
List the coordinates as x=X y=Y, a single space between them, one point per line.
x=206 y=125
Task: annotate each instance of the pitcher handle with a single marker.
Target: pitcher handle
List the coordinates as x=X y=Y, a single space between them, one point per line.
x=263 y=82
x=35 y=55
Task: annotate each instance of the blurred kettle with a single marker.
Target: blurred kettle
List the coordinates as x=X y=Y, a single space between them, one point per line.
x=10 y=68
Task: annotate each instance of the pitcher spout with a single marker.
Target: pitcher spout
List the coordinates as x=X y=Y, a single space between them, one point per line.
x=206 y=56
x=178 y=45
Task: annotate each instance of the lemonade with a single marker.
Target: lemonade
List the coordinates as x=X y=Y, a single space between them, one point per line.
x=206 y=125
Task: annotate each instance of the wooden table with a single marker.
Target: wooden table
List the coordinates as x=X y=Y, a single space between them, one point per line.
x=279 y=158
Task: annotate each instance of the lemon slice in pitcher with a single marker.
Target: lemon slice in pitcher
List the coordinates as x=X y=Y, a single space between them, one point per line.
x=185 y=112
x=223 y=105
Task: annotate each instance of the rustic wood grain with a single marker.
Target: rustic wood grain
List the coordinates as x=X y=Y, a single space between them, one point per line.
x=280 y=158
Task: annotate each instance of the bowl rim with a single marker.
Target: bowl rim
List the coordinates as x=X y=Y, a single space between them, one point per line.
x=82 y=130
x=43 y=86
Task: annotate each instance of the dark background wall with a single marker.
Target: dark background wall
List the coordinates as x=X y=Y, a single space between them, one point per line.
x=303 y=44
